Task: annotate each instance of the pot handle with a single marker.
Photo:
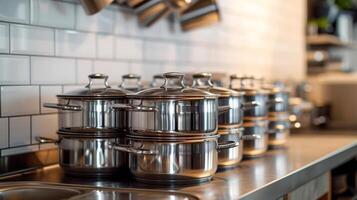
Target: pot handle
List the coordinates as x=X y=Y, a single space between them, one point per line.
x=223 y=109
x=63 y=106
x=131 y=149
x=227 y=145
x=44 y=140
x=134 y=108
x=251 y=137
x=249 y=105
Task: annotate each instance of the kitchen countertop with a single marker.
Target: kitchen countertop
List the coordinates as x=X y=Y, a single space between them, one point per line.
x=306 y=156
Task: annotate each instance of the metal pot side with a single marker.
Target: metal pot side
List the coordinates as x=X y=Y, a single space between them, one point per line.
x=91 y=156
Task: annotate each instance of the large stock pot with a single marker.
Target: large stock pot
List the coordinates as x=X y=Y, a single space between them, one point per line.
x=89 y=109
x=175 y=109
x=173 y=160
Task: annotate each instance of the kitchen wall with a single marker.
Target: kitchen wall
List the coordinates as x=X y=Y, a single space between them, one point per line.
x=48 y=47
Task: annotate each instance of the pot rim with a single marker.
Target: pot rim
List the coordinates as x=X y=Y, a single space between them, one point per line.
x=167 y=134
x=188 y=139
x=89 y=135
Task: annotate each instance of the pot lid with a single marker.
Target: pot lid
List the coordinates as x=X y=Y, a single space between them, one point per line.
x=248 y=85
x=174 y=88
x=203 y=81
x=102 y=92
x=275 y=88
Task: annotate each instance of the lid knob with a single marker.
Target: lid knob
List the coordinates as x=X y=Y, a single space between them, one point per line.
x=173 y=75
x=126 y=85
x=97 y=76
x=202 y=79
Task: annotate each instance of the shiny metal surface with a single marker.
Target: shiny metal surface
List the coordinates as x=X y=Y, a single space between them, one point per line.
x=182 y=116
x=231 y=157
x=179 y=109
x=279 y=131
x=273 y=175
x=257 y=145
x=93 y=6
x=131 y=82
x=227 y=97
x=90 y=156
x=279 y=101
x=174 y=162
x=44 y=191
x=90 y=109
x=95 y=115
x=199 y=14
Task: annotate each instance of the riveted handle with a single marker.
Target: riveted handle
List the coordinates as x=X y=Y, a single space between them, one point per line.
x=131 y=149
x=173 y=75
x=227 y=145
x=62 y=106
x=44 y=140
x=97 y=76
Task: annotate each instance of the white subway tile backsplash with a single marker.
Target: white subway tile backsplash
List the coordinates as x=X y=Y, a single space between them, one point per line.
x=19 y=100
x=126 y=24
x=115 y=70
x=19 y=150
x=44 y=126
x=48 y=95
x=75 y=44
x=4 y=38
x=20 y=131
x=129 y=48
x=100 y=22
x=14 y=70
x=4 y=133
x=71 y=88
x=84 y=68
x=105 y=46
x=53 y=13
x=159 y=51
x=31 y=40
x=15 y=10
x=47 y=70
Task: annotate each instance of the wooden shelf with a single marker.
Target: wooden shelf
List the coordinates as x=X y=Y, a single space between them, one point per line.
x=327 y=40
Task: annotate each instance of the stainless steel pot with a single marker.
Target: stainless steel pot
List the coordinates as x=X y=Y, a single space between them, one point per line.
x=89 y=109
x=226 y=98
x=88 y=155
x=131 y=82
x=231 y=157
x=255 y=136
x=279 y=99
x=279 y=132
x=256 y=99
x=172 y=160
x=177 y=109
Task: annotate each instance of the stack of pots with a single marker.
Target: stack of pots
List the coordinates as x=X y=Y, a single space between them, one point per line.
x=278 y=115
x=87 y=125
x=255 y=120
x=229 y=123
x=173 y=136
